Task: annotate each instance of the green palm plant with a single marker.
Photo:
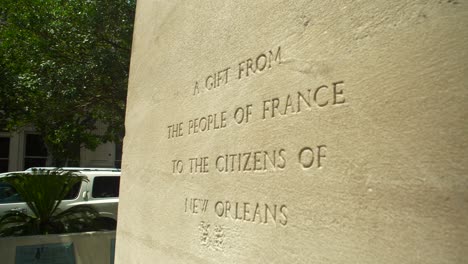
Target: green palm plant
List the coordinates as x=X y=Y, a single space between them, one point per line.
x=43 y=191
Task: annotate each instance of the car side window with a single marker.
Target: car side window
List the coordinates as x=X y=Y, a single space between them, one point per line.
x=106 y=187
x=74 y=191
x=8 y=194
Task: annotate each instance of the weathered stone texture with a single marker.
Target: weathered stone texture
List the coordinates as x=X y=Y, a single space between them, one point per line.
x=296 y=132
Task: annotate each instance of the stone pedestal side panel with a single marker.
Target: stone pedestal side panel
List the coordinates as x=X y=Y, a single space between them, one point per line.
x=296 y=132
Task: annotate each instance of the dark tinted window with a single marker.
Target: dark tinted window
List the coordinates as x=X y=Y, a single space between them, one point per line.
x=8 y=194
x=3 y=165
x=75 y=190
x=3 y=125
x=35 y=146
x=4 y=147
x=36 y=152
x=106 y=187
x=4 y=153
x=34 y=162
x=118 y=155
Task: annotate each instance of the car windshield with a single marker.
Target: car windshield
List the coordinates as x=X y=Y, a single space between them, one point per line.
x=8 y=194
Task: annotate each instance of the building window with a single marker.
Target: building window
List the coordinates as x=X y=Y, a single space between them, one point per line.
x=118 y=155
x=4 y=153
x=3 y=127
x=36 y=152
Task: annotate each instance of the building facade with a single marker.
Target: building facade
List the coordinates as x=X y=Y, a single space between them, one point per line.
x=22 y=149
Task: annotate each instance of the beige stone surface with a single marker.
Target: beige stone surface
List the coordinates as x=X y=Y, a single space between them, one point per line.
x=350 y=146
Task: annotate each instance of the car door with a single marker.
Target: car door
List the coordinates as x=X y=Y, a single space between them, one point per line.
x=76 y=196
x=10 y=200
x=104 y=195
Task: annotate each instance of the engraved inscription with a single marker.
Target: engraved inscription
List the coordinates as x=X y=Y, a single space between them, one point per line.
x=199 y=165
x=217 y=79
x=207 y=123
x=258 y=64
x=256 y=212
x=204 y=230
x=214 y=80
x=175 y=130
x=251 y=161
x=177 y=166
x=245 y=68
x=259 y=213
x=196 y=205
x=322 y=96
x=211 y=236
x=242 y=115
x=308 y=157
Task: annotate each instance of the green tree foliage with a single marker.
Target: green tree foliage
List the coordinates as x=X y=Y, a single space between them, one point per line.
x=64 y=67
x=43 y=191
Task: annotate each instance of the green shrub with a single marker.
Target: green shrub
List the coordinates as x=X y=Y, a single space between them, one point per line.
x=43 y=191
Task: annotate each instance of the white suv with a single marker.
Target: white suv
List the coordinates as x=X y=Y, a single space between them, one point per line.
x=101 y=192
